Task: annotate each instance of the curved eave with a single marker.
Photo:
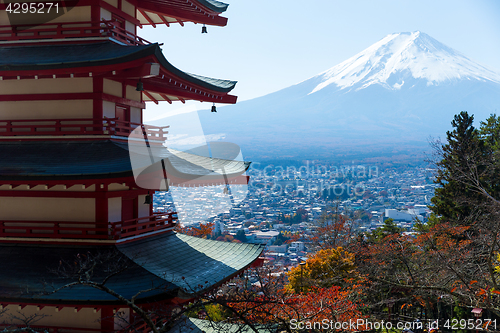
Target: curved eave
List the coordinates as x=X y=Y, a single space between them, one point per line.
x=216 y=85
x=195 y=265
x=213 y=5
x=104 y=57
x=168 y=265
x=185 y=169
x=32 y=161
x=70 y=160
x=74 y=56
x=159 y=90
x=197 y=11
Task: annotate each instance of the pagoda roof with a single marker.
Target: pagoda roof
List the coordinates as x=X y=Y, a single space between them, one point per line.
x=178 y=11
x=214 y=5
x=48 y=160
x=92 y=55
x=98 y=159
x=195 y=325
x=168 y=265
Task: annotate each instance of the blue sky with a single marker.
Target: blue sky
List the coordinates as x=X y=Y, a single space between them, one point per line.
x=269 y=45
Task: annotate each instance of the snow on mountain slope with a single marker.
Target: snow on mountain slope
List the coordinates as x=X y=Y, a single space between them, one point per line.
x=398 y=59
x=394 y=94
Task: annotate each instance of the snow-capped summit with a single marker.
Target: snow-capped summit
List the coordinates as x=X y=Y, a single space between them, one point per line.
x=394 y=94
x=398 y=59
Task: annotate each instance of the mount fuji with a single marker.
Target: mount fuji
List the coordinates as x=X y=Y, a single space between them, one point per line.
x=394 y=94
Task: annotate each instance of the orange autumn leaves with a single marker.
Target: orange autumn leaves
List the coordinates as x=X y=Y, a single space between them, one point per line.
x=281 y=306
x=201 y=231
x=327 y=288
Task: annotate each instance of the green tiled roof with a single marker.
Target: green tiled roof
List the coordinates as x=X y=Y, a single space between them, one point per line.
x=35 y=160
x=38 y=160
x=194 y=325
x=40 y=57
x=174 y=264
x=216 y=82
x=192 y=263
x=214 y=5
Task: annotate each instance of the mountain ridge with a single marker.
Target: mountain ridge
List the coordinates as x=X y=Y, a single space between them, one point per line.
x=423 y=56
x=380 y=99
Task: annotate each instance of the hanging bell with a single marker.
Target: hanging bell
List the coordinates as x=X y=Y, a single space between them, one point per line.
x=213 y=108
x=147 y=199
x=204 y=29
x=140 y=86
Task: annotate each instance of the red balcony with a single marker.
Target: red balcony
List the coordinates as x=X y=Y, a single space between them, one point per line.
x=50 y=329
x=88 y=230
x=106 y=29
x=142 y=225
x=61 y=127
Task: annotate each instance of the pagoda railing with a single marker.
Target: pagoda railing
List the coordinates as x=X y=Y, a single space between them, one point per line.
x=50 y=329
x=88 y=230
x=70 y=30
x=142 y=225
x=89 y=126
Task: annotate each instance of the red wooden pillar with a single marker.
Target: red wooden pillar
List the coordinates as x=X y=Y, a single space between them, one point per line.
x=151 y=205
x=129 y=208
x=107 y=320
x=95 y=12
x=101 y=209
x=98 y=89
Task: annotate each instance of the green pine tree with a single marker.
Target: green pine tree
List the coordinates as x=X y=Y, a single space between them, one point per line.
x=468 y=170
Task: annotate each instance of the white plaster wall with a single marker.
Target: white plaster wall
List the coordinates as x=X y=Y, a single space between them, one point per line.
x=46 y=86
x=130 y=27
x=133 y=94
x=135 y=115
x=128 y=8
x=113 y=3
x=114 y=209
x=47 y=209
x=65 y=317
x=112 y=87
x=4 y=18
x=46 y=109
x=108 y=109
x=122 y=319
x=117 y=187
x=77 y=14
x=143 y=210
x=106 y=15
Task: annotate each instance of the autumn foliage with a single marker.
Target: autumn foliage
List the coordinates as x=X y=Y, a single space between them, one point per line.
x=276 y=306
x=324 y=269
x=201 y=231
x=442 y=269
x=446 y=264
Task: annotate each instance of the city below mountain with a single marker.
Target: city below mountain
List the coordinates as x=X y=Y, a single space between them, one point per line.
x=389 y=99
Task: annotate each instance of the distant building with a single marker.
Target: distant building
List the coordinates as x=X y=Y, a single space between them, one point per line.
x=398 y=215
x=264 y=237
x=296 y=247
x=278 y=248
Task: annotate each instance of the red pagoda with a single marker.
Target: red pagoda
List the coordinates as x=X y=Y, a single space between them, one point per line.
x=74 y=79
